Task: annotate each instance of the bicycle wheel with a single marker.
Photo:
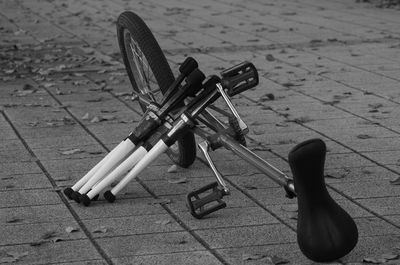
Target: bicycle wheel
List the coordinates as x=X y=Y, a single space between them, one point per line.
x=150 y=74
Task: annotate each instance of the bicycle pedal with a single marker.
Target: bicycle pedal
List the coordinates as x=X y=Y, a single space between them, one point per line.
x=239 y=78
x=201 y=206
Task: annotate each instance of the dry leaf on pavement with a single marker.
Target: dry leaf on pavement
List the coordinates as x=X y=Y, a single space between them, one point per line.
x=395 y=182
x=72 y=151
x=178 y=181
x=71 y=229
x=100 y=229
x=172 y=169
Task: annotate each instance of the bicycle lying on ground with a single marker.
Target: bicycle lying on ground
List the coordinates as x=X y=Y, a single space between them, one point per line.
x=174 y=112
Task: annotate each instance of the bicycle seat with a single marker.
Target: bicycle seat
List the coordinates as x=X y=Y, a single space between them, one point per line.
x=325 y=232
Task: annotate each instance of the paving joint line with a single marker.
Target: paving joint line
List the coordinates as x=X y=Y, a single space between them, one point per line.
x=335 y=189
x=342 y=21
x=332 y=139
x=60 y=195
x=175 y=217
x=184 y=226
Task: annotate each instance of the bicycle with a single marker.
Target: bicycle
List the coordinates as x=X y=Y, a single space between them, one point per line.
x=172 y=115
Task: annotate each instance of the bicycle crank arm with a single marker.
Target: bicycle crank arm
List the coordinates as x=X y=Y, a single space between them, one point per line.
x=204 y=147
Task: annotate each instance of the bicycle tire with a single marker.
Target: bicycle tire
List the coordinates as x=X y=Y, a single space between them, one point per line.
x=129 y=24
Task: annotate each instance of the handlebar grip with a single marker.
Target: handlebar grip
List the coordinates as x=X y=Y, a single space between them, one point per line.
x=194 y=81
x=209 y=87
x=239 y=78
x=193 y=85
x=188 y=66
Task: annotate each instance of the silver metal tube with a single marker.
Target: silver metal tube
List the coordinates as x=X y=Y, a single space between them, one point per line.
x=204 y=147
x=242 y=124
x=272 y=172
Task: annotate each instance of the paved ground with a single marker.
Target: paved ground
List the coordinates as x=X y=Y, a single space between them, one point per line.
x=332 y=66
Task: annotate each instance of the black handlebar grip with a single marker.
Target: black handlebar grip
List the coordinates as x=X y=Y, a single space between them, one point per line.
x=325 y=232
x=209 y=87
x=188 y=66
x=195 y=77
x=194 y=80
x=192 y=86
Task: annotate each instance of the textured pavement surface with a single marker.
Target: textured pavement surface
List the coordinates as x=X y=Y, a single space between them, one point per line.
x=333 y=68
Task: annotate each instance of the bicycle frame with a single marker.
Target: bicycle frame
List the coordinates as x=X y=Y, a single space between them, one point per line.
x=325 y=231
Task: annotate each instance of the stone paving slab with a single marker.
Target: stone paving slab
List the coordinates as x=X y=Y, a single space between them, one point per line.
x=328 y=69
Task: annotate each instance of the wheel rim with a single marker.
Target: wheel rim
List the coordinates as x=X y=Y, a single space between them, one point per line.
x=145 y=80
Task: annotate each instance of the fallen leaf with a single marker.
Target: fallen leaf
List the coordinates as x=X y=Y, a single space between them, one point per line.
x=101 y=229
x=27 y=87
x=173 y=169
x=364 y=136
x=335 y=176
x=95 y=119
x=293 y=216
x=67 y=121
x=108 y=111
x=163 y=222
x=122 y=94
x=267 y=97
x=72 y=151
x=13 y=220
x=48 y=234
x=71 y=229
x=247 y=256
x=373 y=260
x=395 y=182
x=390 y=256
x=178 y=181
x=258 y=131
x=278 y=260
x=249 y=187
x=49 y=85
x=23 y=93
x=95 y=152
x=17 y=255
x=86 y=116
x=107 y=117
x=56 y=239
x=302 y=120
x=270 y=58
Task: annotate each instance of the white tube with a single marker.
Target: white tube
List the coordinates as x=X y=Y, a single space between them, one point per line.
x=157 y=150
x=123 y=168
x=91 y=172
x=126 y=147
